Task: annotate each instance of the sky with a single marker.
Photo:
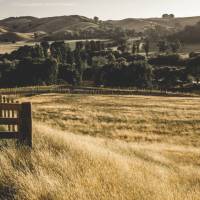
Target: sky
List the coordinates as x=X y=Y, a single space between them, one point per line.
x=104 y=9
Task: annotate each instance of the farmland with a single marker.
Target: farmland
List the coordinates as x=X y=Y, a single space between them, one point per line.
x=9 y=47
x=107 y=147
x=6 y=47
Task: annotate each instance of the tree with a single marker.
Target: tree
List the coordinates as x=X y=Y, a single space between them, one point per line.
x=45 y=45
x=38 y=52
x=35 y=35
x=138 y=46
x=167 y=60
x=67 y=73
x=146 y=47
x=168 y=16
x=172 y=16
x=96 y=19
x=134 y=48
x=165 y=16
x=193 y=68
x=162 y=46
x=70 y=57
x=93 y=45
x=122 y=48
x=79 y=45
x=111 y=58
x=51 y=70
x=175 y=46
x=59 y=51
x=121 y=73
x=143 y=73
x=80 y=65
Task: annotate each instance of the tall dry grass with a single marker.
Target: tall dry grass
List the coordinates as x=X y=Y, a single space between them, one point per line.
x=99 y=147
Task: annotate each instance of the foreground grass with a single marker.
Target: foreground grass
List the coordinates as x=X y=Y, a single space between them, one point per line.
x=107 y=147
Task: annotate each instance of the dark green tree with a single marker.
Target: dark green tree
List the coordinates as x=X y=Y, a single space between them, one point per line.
x=146 y=47
x=175 y=46
x=134 y=48
x=45 y=45
x=162 y=46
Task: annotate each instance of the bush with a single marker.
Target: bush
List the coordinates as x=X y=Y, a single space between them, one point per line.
x=170 y=60
x=121 y=74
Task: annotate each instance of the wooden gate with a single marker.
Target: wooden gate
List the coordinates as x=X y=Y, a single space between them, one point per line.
x=15 y=121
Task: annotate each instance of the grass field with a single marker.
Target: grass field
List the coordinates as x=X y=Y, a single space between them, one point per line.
x=107 y=147
x=9 y=47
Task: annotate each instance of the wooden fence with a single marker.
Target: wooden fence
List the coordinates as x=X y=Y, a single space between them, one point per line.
x=15 y=121
x=91 y=90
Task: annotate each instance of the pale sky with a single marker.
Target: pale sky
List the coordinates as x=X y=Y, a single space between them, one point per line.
x=105 y=9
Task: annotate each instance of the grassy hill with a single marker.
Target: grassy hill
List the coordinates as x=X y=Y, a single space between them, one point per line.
x=76 y=22
x=103 y=147
x=49 y=24
x=13 y=36
x=141 y=24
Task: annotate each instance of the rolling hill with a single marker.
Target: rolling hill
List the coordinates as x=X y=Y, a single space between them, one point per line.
x=61 y=25
x=142 y=24
x=49 y=25
x=14 y=36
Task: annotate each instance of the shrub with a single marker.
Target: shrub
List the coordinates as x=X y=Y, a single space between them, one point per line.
x=171 y=60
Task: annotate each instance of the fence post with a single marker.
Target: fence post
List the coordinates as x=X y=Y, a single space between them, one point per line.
x=1 y=111
x=25 y=125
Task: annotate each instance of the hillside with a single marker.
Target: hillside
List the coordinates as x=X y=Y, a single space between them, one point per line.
x=189 y=34
x=60 y=24
x=13 y=36
x=49 y=24
x=103 y=147
x=142 y=24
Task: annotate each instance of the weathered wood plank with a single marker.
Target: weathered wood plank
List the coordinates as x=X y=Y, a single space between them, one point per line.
x=9 y=121
x=10 y=106
x=9 y=115
x=17 y=117
x=9 y=135
x=13 y=116
x=26 y=124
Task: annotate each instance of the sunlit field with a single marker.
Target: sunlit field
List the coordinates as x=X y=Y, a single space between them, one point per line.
x=106 y=147
x=9 y=47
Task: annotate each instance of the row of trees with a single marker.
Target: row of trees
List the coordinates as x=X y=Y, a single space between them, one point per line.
x=145 y=45
x=28 y=71
x=105 y=31
x=47 y=63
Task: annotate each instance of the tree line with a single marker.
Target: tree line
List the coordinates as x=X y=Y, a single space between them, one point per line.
x=54 y=63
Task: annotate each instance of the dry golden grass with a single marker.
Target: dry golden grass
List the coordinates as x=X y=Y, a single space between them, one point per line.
x=9 y=47
x=107 y=147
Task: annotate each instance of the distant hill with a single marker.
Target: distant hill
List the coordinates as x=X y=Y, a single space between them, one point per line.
x=56 y=27
x=141 y=24
x=48 y=25
x=190 y=34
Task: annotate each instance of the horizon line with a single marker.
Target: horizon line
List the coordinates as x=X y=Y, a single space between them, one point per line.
x=40 y=17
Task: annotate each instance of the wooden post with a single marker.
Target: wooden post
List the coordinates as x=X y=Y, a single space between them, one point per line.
x=9 y=115
x=12 y=115
x=1 y=111
x=25 y=126
x=4 y=111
